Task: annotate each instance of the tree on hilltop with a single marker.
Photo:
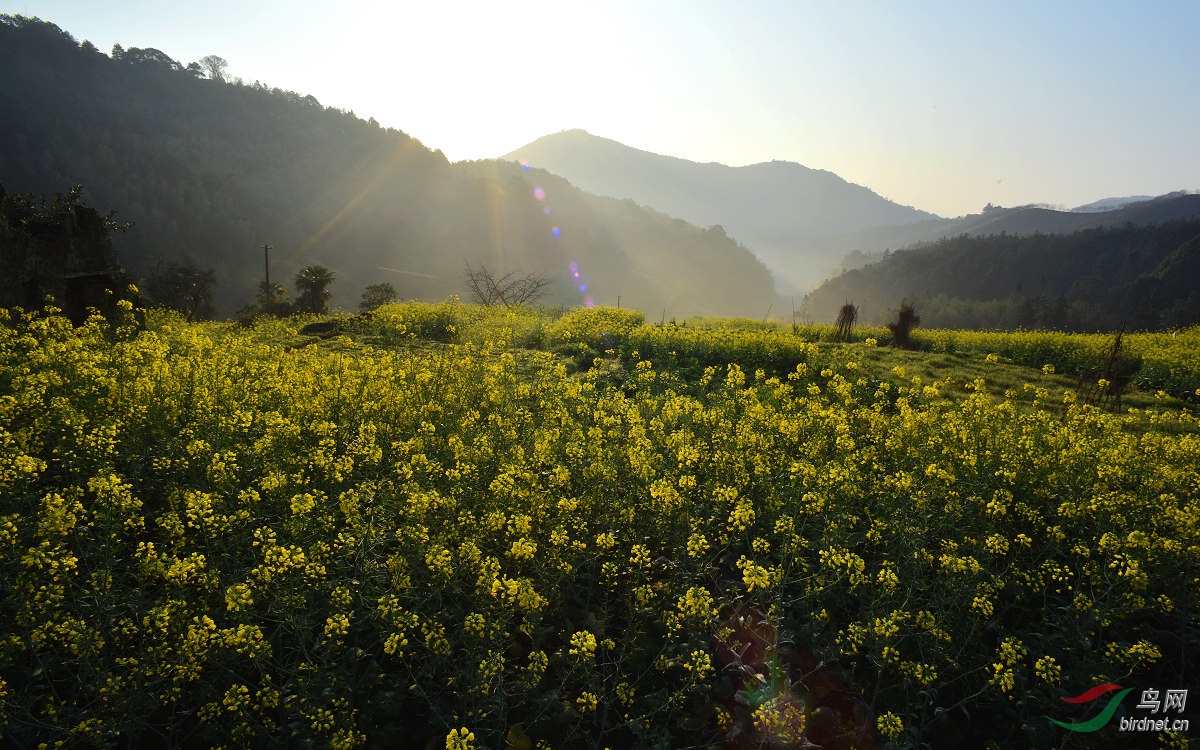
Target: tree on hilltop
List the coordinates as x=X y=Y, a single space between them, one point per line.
x=152 y=56
x=214 y=67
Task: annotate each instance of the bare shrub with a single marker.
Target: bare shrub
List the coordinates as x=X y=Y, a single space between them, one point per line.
x=486 y=288
x=846 y=319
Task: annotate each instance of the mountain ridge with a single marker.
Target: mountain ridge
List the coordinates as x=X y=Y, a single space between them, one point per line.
x=1105 y=204
x=775 y=208
x=869 y=244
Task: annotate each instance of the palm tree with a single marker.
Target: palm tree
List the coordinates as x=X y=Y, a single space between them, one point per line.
x=269 y=294
x=312 y=282
x=272 y=300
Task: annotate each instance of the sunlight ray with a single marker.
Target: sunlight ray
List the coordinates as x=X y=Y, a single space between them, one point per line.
x=383 y=170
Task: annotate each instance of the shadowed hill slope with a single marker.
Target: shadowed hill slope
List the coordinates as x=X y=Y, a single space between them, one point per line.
x=1091 y=279
x=211 y=170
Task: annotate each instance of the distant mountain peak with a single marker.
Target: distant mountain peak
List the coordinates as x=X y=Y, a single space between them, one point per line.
x=774 y=207
x=1109 y=204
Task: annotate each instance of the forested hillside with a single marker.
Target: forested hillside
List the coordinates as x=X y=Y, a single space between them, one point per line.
x=867 y=245
x=210 y=170
x=1094 y=279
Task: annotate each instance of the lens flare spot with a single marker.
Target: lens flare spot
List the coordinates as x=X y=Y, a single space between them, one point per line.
x=556 y=232
x=546 y=210
x=524 y=165
x=588 y=302
x=539 y=193
x=574 y=269
x=577 y=274
x=583 y=287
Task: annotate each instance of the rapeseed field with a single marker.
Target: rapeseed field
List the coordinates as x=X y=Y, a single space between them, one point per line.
x=454 y=527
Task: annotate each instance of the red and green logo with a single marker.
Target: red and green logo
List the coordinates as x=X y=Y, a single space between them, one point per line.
x=1100 y=719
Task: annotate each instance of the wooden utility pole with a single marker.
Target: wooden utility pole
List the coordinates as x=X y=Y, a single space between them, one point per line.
x=267 y=265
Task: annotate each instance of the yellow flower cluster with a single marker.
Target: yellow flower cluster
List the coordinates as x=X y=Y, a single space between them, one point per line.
x=780 y=720
x=460 y=739
x=583 y=644
x=1048 y=669
x=587 y=702
x=889 y=725
x=697 y=604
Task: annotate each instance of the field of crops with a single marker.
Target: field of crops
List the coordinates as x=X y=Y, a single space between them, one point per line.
x=450 y=527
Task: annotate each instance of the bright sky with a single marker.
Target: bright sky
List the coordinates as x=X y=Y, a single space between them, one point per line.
x=945 y=106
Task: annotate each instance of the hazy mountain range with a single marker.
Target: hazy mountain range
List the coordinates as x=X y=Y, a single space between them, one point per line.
x=870 y=244
x=806 y=225
x=1113 y=261
x=779 y=209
